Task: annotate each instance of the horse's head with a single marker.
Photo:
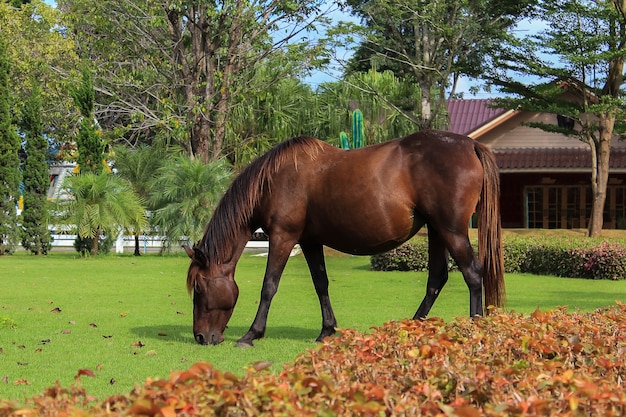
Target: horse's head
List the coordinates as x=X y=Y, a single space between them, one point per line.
x=214 y=297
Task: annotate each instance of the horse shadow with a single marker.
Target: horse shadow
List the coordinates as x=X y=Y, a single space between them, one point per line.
x=183 y=333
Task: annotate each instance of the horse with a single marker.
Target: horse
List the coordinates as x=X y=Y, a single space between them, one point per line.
x=360 y=201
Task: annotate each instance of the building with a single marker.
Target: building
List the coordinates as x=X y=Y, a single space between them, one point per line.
x=545 y=177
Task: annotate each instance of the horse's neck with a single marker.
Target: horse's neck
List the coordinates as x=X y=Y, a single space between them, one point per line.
x=230 y=250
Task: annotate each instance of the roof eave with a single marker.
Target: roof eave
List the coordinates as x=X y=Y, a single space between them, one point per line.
x=497 y=121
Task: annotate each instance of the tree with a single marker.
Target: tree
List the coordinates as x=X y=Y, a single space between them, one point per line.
x=101 y=204
x=9 y=160
x=89 y=143
x=139 y=166
x=34 y=219
x=587 y=40
x=40 y=48
x=430 y=43
x=179 y=65
x=184 y=194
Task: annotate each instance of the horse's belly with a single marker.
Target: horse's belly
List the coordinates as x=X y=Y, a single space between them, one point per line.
x=366 y=235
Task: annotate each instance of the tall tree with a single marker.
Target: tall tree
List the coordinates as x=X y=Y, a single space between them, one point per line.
x=40 y=47
x=178 y=65
x=430 y=43
x=89 y=142
x=9 y=160
x=580 y=77
x=34 y=219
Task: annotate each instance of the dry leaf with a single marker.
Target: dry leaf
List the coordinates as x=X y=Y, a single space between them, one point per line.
x=86 y=372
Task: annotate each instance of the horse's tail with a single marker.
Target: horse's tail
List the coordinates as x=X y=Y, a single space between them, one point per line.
x=490 y=251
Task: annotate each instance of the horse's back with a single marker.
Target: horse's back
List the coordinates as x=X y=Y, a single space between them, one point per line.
x=371 y=199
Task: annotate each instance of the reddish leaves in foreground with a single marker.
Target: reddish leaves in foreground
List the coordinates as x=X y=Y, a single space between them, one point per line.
x=548 y=363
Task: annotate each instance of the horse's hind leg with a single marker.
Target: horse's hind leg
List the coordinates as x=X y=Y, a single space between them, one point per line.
x=461 y=250
x=314 y=255
x=437 y=272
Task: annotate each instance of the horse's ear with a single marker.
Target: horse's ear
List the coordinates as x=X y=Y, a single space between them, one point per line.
x=200 y=257
x=188 y=250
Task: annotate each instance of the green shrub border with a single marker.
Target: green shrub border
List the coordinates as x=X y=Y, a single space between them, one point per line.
x=558 y=256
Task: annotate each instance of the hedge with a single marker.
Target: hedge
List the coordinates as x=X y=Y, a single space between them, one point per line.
x=557 y=256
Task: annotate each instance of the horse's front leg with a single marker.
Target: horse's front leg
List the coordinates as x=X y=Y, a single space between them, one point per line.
x=276 y=261
x=314 y=255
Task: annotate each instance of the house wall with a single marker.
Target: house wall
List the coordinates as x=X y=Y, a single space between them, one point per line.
x=512 y=133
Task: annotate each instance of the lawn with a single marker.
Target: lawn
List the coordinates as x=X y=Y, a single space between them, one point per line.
x=127 y=318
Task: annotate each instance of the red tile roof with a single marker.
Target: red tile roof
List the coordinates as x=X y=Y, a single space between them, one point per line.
x=468 y=115
x=536 y=159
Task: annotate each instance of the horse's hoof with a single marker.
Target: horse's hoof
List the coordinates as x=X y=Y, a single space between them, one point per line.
x=244 y=345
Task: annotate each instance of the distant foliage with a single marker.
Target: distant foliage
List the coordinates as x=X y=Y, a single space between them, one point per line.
x=35 y=235
x=9 y=160
x=561 y=257
x=547 y=363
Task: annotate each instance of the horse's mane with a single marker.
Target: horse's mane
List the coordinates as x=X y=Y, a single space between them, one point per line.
x=234 y=211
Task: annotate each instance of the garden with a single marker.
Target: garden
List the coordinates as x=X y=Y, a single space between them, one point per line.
x=111 y=335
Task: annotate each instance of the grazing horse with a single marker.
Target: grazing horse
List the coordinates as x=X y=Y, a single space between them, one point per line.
x=362 y=202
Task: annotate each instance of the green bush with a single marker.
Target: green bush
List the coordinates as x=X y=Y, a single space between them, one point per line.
x=558 y=256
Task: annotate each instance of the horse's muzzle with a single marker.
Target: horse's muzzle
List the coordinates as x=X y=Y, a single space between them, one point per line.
x=210 y=339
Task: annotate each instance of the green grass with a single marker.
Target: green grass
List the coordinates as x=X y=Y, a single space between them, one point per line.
x=110 y=304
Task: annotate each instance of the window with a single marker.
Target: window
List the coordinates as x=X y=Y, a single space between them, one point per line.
x=569 y=206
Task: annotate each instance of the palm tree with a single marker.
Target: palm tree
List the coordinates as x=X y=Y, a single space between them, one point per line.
x=139 y=166
x=184 y=194
x=100 y=204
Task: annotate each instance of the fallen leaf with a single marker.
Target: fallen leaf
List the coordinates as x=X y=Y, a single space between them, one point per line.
x=168 y=411
x=162 y=334
x=107 y=336
x=65 y=331
x=72 y=322
x=261 y=365
x=123 y=314
x=39 y=350
x=22 y=363
x=180 y=312
x=112 y=381
x=183 y=360
x=99 y=367
x=5 y=379
x=21 y=347
x=21 y=382
x=55 y=310
x=93 y=325
x=138 y=344
x=151 y=353
x=86 y=372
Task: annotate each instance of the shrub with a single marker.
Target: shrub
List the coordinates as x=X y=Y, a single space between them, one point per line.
x=547 y=363
x=562 y=257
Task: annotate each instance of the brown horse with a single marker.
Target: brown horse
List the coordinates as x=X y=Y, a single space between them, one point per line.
x=362 y=201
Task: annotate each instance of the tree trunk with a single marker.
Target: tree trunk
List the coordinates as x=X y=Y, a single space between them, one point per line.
x=600 y=174
x=137 y=252
x=94 y=244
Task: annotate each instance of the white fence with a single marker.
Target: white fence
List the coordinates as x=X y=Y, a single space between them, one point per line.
x=146 y=243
